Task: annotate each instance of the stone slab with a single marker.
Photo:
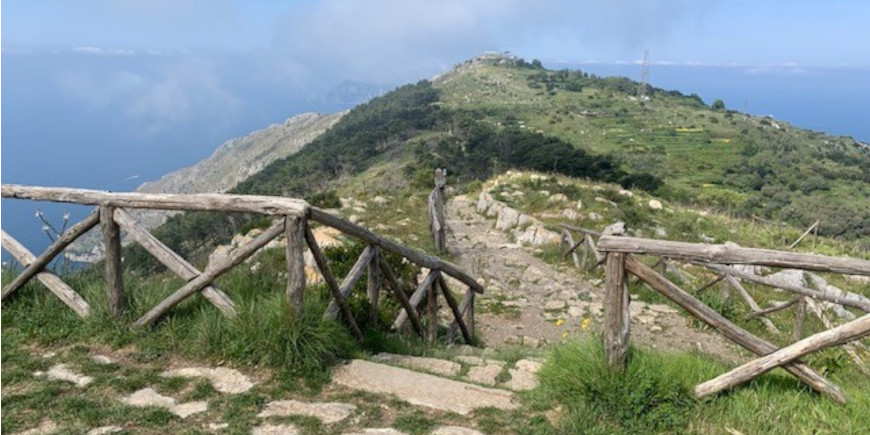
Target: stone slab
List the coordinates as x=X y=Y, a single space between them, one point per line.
x=421 y=389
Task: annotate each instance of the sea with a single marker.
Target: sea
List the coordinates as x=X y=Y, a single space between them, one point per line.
x=118 y=131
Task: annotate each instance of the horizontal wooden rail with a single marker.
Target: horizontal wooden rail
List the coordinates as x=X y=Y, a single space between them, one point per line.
x=417 y=257
x=726 y=254
x=268 y=205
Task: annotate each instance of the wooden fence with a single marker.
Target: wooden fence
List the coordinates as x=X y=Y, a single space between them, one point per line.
x=620 y=259
x=293 y=217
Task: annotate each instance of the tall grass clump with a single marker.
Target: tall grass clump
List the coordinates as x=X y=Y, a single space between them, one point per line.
x=269 y=333
x=648 y=397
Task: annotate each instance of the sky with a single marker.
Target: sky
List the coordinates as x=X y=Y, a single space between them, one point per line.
x=108 y=94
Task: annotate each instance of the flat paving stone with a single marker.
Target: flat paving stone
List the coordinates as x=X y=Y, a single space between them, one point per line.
x=484 y=374
x=149 y=397
x=224 y=380
x=378 y=431
x=327 y=412
x=61 y=372
x=439 y=366
x=421 y=389
x=103 y=430
x=275 y=429
x=456 y=430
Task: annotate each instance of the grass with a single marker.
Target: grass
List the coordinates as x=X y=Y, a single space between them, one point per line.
x=654 y=396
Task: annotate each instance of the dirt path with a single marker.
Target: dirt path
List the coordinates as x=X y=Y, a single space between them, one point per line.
x=531 y=302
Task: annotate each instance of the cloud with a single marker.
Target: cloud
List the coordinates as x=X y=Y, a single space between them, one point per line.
x=103 y=51
x=171 y=94
x=401 y=39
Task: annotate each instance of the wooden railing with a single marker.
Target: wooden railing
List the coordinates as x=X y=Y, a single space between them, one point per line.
x=292 y=219
x=621 y=259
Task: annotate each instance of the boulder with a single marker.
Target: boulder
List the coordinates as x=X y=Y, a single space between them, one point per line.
x=655 y=204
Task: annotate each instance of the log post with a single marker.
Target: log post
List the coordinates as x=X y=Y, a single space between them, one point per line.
x=432 y=305
x=436 y=211
x=616 y=314
x=114 y=271
x=800 y=313
x=294 y=229
x=729 y=329
x=572 y=247
x=373 y=286
x=842 y=334
x=457 y=312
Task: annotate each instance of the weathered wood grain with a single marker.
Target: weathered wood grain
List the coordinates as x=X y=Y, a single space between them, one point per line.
x=729 y=329
x=294 y=229
x=617 y=319
x=172 y=260
x=842 y=334
x=213 y=272
x=727 y=254
x=417 y=257
x=114 y=269
x=57 y=247
x=331 y=282
x=54 y=284
x=268 y=205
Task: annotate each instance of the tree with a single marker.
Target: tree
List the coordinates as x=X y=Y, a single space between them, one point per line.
x=537 y=64
x=718 y=105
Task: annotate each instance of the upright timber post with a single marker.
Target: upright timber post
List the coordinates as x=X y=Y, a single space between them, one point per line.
x=373 y=286
x=114 y=273
x=294 y=229
x=436 y=211
x=616 y=315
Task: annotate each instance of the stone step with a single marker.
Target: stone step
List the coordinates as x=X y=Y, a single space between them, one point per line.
x=421 y=389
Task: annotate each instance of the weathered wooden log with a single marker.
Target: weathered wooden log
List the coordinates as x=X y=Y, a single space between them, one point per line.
x=114 y=270
x=414 y=301
x=436 y=215
x=599 y=257
x=393 y=283
x=373 y=286
x=432 y=306
x=172 y=261
x=388 y=245
x=350 y=280
x=617 y=319
x=585 y=231
x=294 y=229
x=54 y=284
x=211 y=273
x=753 y=306
x=467 y=310
x=850 y=348
x=331 y=282
x=457 y=313
x=39 y=263
x=856 y=301
x=726 y=254
x=847 y=332
x=268 y=205
x=800 y=314
x=729 y=329
x=773 y=308
x=710 y=284
x=806 y=233
x=572 y=247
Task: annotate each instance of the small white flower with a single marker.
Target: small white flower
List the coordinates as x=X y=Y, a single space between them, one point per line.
x=45 y=228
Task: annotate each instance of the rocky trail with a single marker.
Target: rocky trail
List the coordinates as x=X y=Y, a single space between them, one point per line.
x=531 y=302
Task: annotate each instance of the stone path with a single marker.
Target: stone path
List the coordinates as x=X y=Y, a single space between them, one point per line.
x=224 y=380
x=530 y=302
x=421 y=389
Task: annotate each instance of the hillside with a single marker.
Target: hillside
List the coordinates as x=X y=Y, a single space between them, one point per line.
x=493 y=113
x=233 y=161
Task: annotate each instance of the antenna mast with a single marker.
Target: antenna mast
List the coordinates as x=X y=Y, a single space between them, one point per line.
x=644 y=77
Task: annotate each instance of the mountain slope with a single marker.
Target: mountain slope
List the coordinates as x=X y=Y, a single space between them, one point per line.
x=493 y=113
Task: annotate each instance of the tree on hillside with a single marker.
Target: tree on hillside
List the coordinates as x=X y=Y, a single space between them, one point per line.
x=718 y=105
